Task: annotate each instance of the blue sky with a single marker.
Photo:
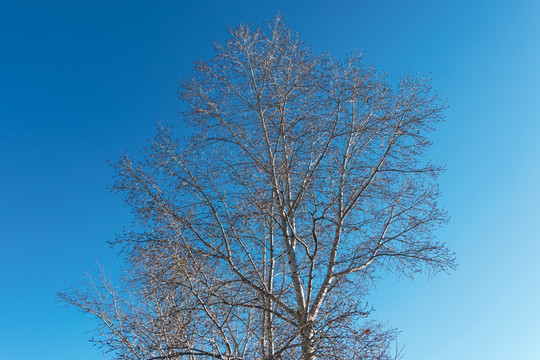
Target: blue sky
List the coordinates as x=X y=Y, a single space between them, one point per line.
x=81 y=82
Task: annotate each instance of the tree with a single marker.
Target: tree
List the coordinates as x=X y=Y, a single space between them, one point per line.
x=259 y=236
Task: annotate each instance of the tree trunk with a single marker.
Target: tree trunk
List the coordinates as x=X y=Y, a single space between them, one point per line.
x=308 y=346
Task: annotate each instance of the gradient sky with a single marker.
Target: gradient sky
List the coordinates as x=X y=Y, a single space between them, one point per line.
x=83 y=81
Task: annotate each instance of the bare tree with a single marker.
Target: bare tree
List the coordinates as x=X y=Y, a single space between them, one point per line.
x=304 y=178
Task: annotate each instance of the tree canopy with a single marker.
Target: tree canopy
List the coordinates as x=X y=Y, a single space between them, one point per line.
x=258 y=237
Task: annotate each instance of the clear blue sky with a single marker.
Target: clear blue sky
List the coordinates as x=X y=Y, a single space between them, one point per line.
x=80 y=82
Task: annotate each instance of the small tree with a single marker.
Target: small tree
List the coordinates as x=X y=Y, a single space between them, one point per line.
x=303 y=179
